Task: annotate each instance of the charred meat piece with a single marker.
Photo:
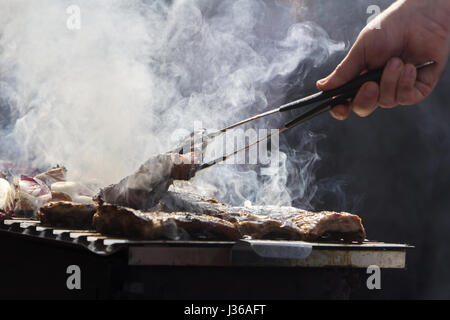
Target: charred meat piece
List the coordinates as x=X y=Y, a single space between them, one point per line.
x=135 y=224
x=328 y=225
x=60 y=196
x=67 y=214
x=249 y=222
x=205 y=227
x=297 y=224
x=188 y=202
x=325 y=225
x=144 y=188
x=271 y=222
x=268 y=229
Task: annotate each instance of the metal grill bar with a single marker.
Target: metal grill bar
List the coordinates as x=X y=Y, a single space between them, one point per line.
x=219 y=253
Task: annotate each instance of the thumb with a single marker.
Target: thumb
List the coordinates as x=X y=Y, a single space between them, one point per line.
x=351 y=67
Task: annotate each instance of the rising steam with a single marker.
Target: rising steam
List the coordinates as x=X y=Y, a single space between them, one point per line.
x=102 y=99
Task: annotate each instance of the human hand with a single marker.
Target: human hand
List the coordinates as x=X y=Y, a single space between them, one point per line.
x=412 y=32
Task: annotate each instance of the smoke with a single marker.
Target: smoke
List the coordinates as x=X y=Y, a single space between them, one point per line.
x=103 y=99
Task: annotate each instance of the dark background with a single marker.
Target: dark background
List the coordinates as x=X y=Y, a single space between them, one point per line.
x=391 y=167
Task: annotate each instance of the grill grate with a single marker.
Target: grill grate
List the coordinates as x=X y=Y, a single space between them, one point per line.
x=218 y=253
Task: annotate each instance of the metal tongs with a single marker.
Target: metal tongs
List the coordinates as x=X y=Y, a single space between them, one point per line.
x=327 y=100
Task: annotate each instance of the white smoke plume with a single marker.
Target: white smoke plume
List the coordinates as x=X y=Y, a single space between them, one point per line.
x=104 y=98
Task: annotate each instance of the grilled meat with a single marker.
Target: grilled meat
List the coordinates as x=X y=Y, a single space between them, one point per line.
x=144 y=188
x=268 y=229
x=135 y=224
x=187 y=216
x=60 y=196
x=205 y=227
x=269 y=222
x=66 y=214
x=328 y=225
x=315 y=225
x=181 y=201
x=249 y=223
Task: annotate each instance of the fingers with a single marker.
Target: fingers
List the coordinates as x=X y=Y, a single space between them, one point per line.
x=401 y=84
x=428 y=77
x=389 y=81
x=398 y=85
x=366 y=100
x=341 y=112
x=352 y=65
x=407 y=94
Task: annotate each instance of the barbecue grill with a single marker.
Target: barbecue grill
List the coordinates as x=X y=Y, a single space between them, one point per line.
x=124 y=268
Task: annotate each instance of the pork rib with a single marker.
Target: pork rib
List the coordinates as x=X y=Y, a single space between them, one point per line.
x=269 y=222
x=144 y=188
x=66 y=214
x=125 y=222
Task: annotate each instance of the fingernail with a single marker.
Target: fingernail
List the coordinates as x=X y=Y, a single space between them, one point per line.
x=337 y=115
x=321 y=81
x=409 y=72
x=371 y=90
x=395 y=64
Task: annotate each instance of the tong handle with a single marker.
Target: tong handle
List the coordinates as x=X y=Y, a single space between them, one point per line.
x=351 y=87
x=322 y=108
